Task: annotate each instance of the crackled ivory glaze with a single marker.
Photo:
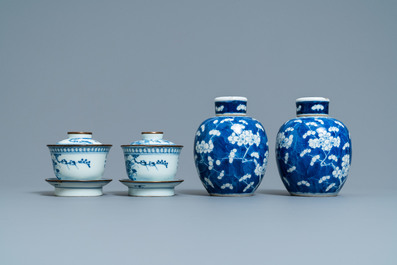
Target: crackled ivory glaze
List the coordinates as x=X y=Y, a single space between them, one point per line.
x=313 y=151
x=152 y=158
x=79 y=157
x=231 y=150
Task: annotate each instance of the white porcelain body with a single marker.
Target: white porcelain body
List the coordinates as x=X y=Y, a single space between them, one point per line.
x=79 y=157
x=151 y=163
x=151 y=189
x=79 y=162
x=78 y=192
x=73 y=188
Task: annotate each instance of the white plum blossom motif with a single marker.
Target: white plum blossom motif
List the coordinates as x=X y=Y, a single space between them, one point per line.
x=330 y=186
x=265 y=159
x=255 y=154
x=218 y=162
x=215 y=122
x=220 y=108
x=243 y=121
x=304 y=152
x=286 y=157
x=347 y=145
x=222 y=174
x=215 y=132
x=298 y=121
x=245 y=138
x=246 y=176
x=228 y=119
x=204 y=147
x=333 y=157
x=283 y=141
x=314 y=159
x=289 y=129
x=260 y=127
x=198 y=133
x=248 y=186
x=311 y=124
x=320 y=121
x=260 y=170
x=308 y=133
x=209 y=182
x=232 y=155
x=325 y=140
x=227 y=185
x=341 y=173
x=339 y=123
x=346 y=160
x=325 y=178
x=291 y=169
x=241 y=107
x=237 y=128
x=303 y=182
x=333 y=129
x=317 y=107
x=210 y=163
x=202 y=127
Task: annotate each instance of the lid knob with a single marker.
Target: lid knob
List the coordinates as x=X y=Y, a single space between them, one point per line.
x=152 y=135
x=80 y=135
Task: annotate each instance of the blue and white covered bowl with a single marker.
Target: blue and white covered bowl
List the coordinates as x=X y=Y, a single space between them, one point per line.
x=79 y=157
x=152 y=158
x=313 y=150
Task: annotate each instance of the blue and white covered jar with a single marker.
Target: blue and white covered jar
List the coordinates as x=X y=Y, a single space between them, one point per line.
x=152 y=158
x=231 y=150
x=313 y=151
x=79 y=157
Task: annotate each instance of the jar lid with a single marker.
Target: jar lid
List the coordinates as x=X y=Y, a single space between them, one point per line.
x=79 y=139
x=153 y=139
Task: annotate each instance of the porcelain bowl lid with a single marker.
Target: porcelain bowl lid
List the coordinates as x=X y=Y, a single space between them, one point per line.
x=78 y=139
x=153 y=139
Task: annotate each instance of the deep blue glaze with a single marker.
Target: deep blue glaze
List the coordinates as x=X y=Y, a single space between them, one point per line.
x=312 y=107
x=233 y=106
x=313 y=155
x=231 y=154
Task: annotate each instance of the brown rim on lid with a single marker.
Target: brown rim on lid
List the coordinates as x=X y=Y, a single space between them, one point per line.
x=153 y=145
x=78 y=145
x=79 y=132
x=152 y=133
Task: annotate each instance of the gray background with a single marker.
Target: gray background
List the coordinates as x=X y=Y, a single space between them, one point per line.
x=121 y=67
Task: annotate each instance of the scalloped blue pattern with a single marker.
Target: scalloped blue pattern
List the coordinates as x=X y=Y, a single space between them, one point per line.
x=79 y=149
x=151 y=150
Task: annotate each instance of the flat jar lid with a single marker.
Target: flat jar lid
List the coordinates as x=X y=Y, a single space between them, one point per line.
x=303 y=99
x=230 y=98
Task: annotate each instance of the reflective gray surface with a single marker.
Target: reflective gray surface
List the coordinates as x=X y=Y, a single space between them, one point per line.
x=117 y=68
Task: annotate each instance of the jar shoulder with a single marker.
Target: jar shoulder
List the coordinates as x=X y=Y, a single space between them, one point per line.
x=230 y=120
x=225 y=126
x=313 y=123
